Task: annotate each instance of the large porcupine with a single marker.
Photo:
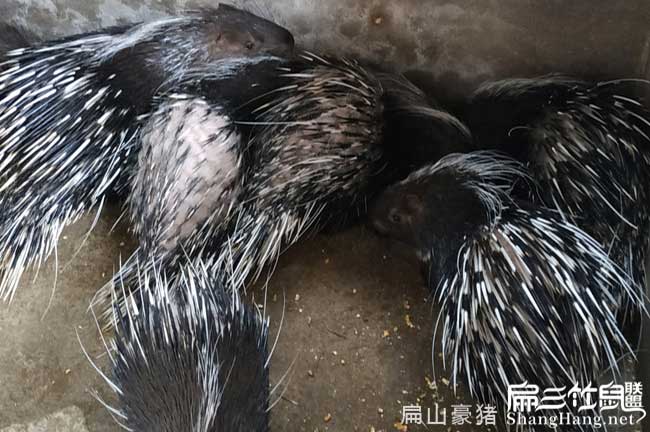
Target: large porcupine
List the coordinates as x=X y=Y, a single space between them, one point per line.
x=189 y=358
x=588 y=148
x=325 y=146
x=316 y=151
x=70 y=111
x=524 y=294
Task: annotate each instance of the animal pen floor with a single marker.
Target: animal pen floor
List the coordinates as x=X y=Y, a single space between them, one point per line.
x=357 y=329
x=356 y=335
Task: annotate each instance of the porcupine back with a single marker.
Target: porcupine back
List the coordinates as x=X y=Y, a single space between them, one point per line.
x=69 y=114
x=323 y=142
x=588 y=147
x=315 y=139
x=190 y=358
x=191 y=169
x=315 y=154
x=524 y=295
x=59 y=150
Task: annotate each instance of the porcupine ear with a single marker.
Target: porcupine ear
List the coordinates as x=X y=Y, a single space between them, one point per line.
x=417 y=131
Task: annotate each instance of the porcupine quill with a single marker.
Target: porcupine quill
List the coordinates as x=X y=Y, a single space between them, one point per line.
x=524 y=295
x=70 y=112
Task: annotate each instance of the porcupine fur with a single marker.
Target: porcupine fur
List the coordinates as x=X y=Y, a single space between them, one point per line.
x=524 y=295
x=190 y=358
x=418 y=131
x=70 y=111
x=332 y=134
x=316 y=153
x=190 y=169
x=315 y=140
x=588 y=148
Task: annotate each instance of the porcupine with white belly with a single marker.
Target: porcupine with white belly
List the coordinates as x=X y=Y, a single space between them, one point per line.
x=70 y=112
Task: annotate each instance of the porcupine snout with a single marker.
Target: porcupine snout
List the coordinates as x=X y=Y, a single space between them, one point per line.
x=258 y=37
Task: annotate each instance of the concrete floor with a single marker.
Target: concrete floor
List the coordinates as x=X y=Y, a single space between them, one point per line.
x=356 y=355
x=356 y=335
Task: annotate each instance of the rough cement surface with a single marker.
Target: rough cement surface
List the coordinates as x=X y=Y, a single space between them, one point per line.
x=67 y=420
x=356 y=334
x=454 y=44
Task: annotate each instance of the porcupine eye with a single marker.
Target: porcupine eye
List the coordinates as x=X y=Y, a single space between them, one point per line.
x=395 y=217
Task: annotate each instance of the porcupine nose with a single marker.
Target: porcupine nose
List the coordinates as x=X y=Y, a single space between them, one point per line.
x=376 y=219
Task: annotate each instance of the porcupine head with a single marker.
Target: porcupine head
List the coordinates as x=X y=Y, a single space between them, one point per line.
x=432 y=214
x=209 y=35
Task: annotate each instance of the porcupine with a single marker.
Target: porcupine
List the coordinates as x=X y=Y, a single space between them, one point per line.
x=311 y=125
x=194 y=358
x=317 y=150
x=524 y=294
x=588 y=148
x=330 y=151
x=70 y=111
x=190 y=168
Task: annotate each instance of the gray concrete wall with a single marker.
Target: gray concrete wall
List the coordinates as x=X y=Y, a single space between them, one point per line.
x=457 y=43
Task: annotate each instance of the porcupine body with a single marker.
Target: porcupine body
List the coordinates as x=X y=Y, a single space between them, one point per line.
x=69 y=112
x=588 y=148
x=525 y=295
x=190 y=358
x=191 y=168
x=315 y=141
x=314 y=150
x=324 y=146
